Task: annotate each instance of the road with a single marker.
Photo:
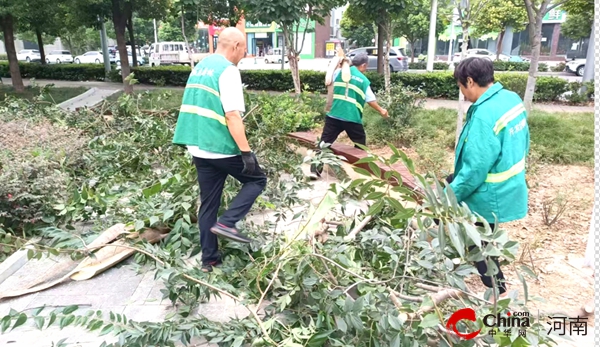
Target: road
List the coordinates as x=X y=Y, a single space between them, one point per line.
x=321 y=65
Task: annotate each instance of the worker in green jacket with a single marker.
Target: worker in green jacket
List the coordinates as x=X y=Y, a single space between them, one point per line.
x=210 y=126
x=348 y=105
x=489 y=164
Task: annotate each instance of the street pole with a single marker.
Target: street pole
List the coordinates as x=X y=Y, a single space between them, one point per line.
x=588 y=72
x=155 y=33
x=450 y=50
x=432 y=37
x=282 y=52
x=104 y=42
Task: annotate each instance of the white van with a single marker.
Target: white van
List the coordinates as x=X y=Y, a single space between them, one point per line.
x=167 y=53
x=275 y=57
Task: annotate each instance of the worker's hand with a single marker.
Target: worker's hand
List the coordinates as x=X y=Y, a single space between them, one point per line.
x=384 y=113
x=250 y=162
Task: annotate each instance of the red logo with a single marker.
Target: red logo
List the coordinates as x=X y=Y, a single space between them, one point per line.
x=465 y=313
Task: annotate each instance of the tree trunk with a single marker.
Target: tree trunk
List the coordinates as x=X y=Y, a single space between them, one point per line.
x=187 y=45
x=536 y=46
x=461 y=97
x=9 y=43
x=40 y=40
x=293 y=58
x=412 y=52
x=120 y=22
x=132 y=39
x=588 y=72
x=388 y=39
x=380 y=42
x=499 y=47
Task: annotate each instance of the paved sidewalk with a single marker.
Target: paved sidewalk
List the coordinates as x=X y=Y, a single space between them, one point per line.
x=432 y=104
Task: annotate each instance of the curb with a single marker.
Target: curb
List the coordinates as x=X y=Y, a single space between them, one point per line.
x=13 y=263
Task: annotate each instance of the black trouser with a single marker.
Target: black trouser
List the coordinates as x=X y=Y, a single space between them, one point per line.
x=211 y=178
x=333 y=128
x=481 y=265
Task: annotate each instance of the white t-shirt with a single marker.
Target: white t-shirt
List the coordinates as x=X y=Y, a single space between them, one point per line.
x=232 y=98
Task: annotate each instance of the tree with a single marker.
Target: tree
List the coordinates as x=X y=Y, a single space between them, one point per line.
x=41 y=18
x=497 y=16
x=360 y=34
x=580 y=16
x=413 y=25
x=8 y=11
x=536 y=10
x=383 y=13
x=294 y=19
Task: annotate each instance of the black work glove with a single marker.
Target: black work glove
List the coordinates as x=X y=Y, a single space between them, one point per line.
x=250 y=162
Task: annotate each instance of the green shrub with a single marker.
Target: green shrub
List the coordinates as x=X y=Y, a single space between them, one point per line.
x=510 y=66
x=543 y=67
x=549 y=89
x=402 y=104
x=421 y=65
x=576 y=97
x=65 y=72
x=559 y=67
x=3 y=57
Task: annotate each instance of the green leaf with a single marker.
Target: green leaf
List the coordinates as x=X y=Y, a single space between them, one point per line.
x=153 y=190
x=456 y=240
x=525 y=288
x=168 y=214
x=473 y=234
x=429 y=321
x=186 y=206
x=375 y=169
x=341 y=324
x=39 y=322
x=442 y=236
x=70 y=309
x=394 y=322
x=139 y=225
x=361 y=171
x=375 y=208
x=319 y=338
x=153 y=220
x=107 y=329
x=20 y=321
x=396 y=341
x=238 y=341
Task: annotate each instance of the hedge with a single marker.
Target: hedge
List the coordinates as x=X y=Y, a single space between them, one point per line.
x=498 y=66
x=3 y=57
x=65 y=72
x=437 y=84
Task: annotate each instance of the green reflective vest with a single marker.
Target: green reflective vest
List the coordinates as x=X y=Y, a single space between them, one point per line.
x=489 y=166
x=201 y=120
x=349 y=107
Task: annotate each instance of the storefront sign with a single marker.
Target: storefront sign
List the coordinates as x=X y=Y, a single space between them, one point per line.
x=555 y=16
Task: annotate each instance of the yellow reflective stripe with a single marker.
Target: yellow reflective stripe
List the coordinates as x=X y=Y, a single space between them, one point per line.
x=348 y=99
x=204 y=112
x=507 y=117
x=503 y=176
x=351 y=86
x=203 y=87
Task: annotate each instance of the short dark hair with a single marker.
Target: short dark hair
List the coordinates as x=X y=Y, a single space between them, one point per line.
x=481 y=70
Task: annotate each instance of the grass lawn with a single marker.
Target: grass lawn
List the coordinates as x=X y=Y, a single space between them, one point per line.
x=55 y=95
x=560 y=138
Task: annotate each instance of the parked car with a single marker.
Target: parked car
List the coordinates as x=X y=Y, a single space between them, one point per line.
x=398 y=60
x=576 y=66
x=29 y=55
x=140 y=59
x=59 y=57
x=483 y=53
x=92 y=57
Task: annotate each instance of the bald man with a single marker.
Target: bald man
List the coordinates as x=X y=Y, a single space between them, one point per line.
x=210 y=126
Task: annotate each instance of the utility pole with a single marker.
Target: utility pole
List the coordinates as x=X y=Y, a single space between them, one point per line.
x=588 y=72
x=155 y=33
x=432 y=36
x=450 y=49
x=104 y=42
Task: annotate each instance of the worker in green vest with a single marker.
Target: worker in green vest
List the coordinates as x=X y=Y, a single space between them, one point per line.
x=347 y=107
x=211 y=127
x=489 y=164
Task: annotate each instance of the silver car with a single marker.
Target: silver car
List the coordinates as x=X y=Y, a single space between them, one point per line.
x=398 y=60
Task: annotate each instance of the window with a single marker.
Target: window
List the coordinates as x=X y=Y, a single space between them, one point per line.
x=66 y=52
